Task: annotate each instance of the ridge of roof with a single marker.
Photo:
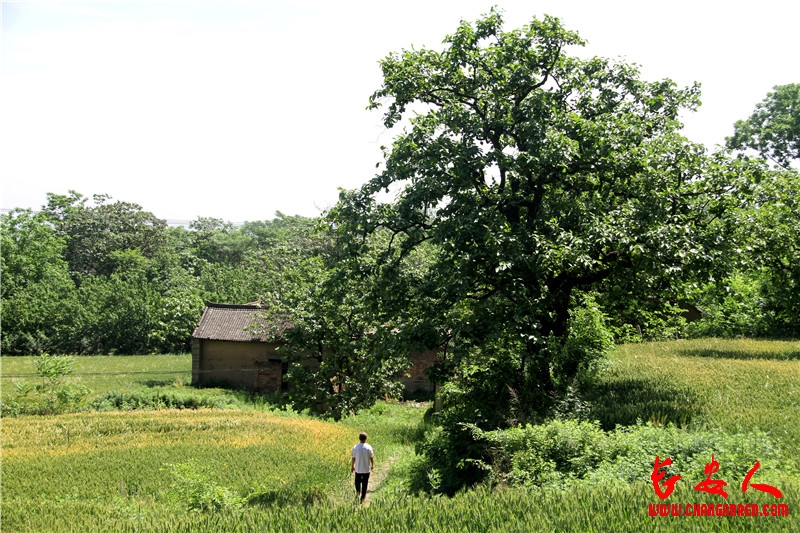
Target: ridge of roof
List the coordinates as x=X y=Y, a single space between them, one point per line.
x=253 y=305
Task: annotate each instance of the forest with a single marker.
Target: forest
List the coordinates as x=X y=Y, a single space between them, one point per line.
x=103 y=276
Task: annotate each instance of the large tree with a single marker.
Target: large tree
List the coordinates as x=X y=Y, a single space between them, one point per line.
x=534 y=176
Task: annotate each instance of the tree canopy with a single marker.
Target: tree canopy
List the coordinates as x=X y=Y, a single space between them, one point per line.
x=110 y=277
x=769 y=220
x=773 y=130
x=533 y=176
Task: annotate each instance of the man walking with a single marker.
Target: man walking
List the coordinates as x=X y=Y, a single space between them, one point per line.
x=362 y=464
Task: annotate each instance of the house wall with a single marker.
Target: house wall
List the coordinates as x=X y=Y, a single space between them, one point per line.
x=269 y=376
x=250 y=365
x=196 y=347
x=257 y=366
x=414 y=379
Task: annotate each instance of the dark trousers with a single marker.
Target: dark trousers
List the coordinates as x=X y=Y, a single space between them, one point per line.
x=361 y=485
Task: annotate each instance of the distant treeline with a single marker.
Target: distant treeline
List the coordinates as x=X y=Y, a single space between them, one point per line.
x=104 y=276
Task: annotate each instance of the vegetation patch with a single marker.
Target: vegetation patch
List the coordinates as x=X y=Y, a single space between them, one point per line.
x=144 y=399
x=238 y=469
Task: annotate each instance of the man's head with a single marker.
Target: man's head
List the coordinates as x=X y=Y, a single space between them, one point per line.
x=362 y=437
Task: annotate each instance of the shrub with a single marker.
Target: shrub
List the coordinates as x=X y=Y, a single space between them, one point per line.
x=192 y=486
x=732 y=308
x=588 y=343
x=146 y=399
x=52 y=395
x=454 y=458
x=562 y=451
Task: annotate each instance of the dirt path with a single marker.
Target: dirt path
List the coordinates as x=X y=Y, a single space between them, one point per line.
x=377 y=476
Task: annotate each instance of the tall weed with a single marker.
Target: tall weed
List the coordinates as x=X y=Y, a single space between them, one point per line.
x=52 y=394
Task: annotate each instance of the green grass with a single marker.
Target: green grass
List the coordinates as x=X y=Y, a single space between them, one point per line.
x=736 y=385
x=129 y=459
x=515 y=511
x=104 y=373
x=120 y=471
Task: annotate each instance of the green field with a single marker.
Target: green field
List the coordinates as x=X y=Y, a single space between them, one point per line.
x=729 y=384
x=104 y=373
x=251 y=467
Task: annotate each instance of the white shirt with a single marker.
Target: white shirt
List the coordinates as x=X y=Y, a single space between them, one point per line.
x=362 y=453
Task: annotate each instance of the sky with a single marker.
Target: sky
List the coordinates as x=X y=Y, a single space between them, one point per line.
x=237 y=110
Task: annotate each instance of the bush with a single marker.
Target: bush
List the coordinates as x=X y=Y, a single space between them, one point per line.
x=192 y=487
x=588 y=343
x=146 y=399
x=454 y=458
x=560 y=453
x=52 y=396
x=732 y=308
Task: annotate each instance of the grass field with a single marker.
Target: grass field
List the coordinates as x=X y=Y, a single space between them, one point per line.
x=729 y=384
x=254 y=468
x=103 y=373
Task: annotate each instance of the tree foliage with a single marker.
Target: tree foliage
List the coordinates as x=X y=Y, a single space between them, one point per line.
x=94 y=232
x=38 y=295
x=109 y=277
x=341 y=358
x=759 y=294
x=535 y=176
x=773 y=130
x=770 y=227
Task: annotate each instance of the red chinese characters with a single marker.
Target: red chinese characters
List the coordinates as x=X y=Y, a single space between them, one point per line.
x=709 y=485
x=769 y=489
x=657 y=476
x=712 y=486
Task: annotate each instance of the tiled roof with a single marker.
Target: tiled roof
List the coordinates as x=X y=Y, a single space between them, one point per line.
x=229 y=322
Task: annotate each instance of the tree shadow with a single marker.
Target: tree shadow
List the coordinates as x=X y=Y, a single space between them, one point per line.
x=307 y=496
x=153 y=383
x=629 y=401
x=414 y=435
x=743 y=355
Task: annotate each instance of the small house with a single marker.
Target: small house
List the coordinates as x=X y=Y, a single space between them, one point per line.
x=230 y=347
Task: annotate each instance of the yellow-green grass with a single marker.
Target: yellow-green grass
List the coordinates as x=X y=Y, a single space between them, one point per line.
x=104 y=373
x=585 y=509
x=736 y=385
x=110 y=471
x=108 y=458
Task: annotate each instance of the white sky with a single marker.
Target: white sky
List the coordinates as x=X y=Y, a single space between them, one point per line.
x=236 y=110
